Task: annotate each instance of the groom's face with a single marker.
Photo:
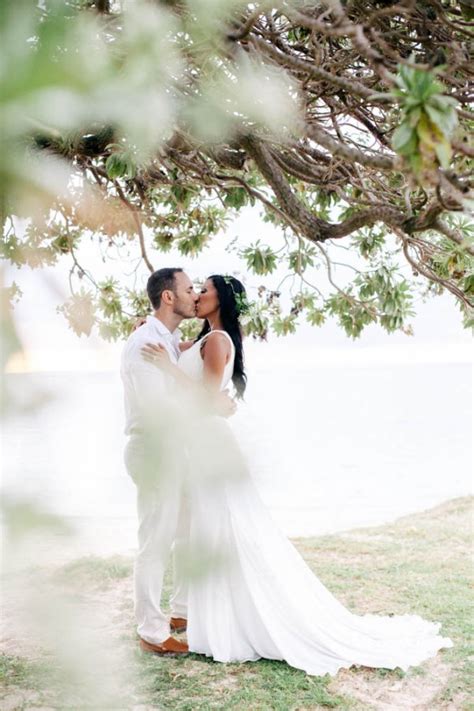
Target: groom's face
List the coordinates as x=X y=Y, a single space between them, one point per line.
x=185 y=298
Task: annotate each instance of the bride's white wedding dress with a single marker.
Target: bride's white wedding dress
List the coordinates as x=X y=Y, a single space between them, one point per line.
x=256 y=596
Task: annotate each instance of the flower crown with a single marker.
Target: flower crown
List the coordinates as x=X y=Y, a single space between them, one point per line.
x=241 y=300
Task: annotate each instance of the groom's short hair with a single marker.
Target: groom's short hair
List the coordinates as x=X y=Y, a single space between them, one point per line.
x=160 y=281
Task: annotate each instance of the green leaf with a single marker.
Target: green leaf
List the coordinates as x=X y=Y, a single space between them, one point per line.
x=192 y=245
x=442 y=102
x=414 y=116
x=421 y=83
x=120 y=165
x=404 y=139
x=164 y=240
x=444 y=120
x=79 y=310
x=236 y=198
x=369 y=241
x=428 y=120
x=416 y=162
x=315 y=317
x=301 y=259
x=468 y=284
x=262 y=260
x=443 y=153
x=182 y=195
x=284 y=326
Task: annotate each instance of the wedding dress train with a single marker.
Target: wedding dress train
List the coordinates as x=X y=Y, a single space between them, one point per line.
x=256 y=597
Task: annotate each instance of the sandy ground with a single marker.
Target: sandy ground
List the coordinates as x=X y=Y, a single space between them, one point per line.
x=83 y=615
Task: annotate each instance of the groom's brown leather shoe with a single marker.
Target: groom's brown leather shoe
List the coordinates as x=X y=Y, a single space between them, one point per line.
x=178 y=624
x=170 y=647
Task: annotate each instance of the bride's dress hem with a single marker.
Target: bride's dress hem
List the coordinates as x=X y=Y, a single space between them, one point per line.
x=371 y=641
x=443 y=643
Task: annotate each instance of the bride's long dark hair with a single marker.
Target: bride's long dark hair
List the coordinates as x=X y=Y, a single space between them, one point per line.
x=232 y=297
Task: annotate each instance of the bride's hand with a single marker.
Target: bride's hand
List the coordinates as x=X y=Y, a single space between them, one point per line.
x=158 y=355
x=139 y=322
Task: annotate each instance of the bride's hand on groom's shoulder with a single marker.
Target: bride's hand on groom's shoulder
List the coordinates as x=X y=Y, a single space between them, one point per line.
x=139 y=322
x=157 y=354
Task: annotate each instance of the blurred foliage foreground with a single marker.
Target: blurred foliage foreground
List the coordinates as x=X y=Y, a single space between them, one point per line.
x=147 y=126
x=92 y=660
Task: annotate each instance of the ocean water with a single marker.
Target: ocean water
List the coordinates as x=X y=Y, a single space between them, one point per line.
x=330 y=448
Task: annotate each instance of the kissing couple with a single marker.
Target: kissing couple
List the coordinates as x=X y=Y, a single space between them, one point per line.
x=241 y=590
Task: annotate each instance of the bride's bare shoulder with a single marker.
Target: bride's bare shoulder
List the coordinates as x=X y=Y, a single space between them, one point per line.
x=216 y=343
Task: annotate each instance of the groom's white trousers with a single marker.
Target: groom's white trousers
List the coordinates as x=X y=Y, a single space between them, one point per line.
x=163 y=527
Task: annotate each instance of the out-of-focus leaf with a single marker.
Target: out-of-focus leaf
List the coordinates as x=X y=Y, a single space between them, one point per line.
x=79 y=311
x=403 y=138
x=444 y=152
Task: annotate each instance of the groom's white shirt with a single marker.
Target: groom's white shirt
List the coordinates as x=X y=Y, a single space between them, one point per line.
x=146 y=387
x=150 y=401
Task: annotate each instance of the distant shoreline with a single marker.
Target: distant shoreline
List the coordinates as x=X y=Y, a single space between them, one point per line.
x=274 y=354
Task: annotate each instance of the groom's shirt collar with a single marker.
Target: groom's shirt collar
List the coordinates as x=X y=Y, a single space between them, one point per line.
x=172 y=337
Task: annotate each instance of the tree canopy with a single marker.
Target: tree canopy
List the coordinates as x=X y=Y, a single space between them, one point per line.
x=154 y=123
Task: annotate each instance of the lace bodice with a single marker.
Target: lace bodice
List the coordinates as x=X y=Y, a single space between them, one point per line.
x=192 y=363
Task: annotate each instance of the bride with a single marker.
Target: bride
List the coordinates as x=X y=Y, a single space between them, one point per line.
x=256 y=597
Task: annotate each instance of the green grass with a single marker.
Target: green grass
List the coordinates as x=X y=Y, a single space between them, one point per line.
x=18 y=672
x=195 y=684
x=93 y=570
x=420 y=564
x=38 y=679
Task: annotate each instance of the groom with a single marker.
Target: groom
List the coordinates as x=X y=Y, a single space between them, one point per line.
x=156 y=460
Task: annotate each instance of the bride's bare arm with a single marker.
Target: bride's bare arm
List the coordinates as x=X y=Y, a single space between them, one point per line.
x=215 y=353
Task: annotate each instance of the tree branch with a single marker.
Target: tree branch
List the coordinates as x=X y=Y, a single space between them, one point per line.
x=453 y=235
x=350 y=85
x=430 y=274
x=352 y=154
x=138 y=224
x=311 y=226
